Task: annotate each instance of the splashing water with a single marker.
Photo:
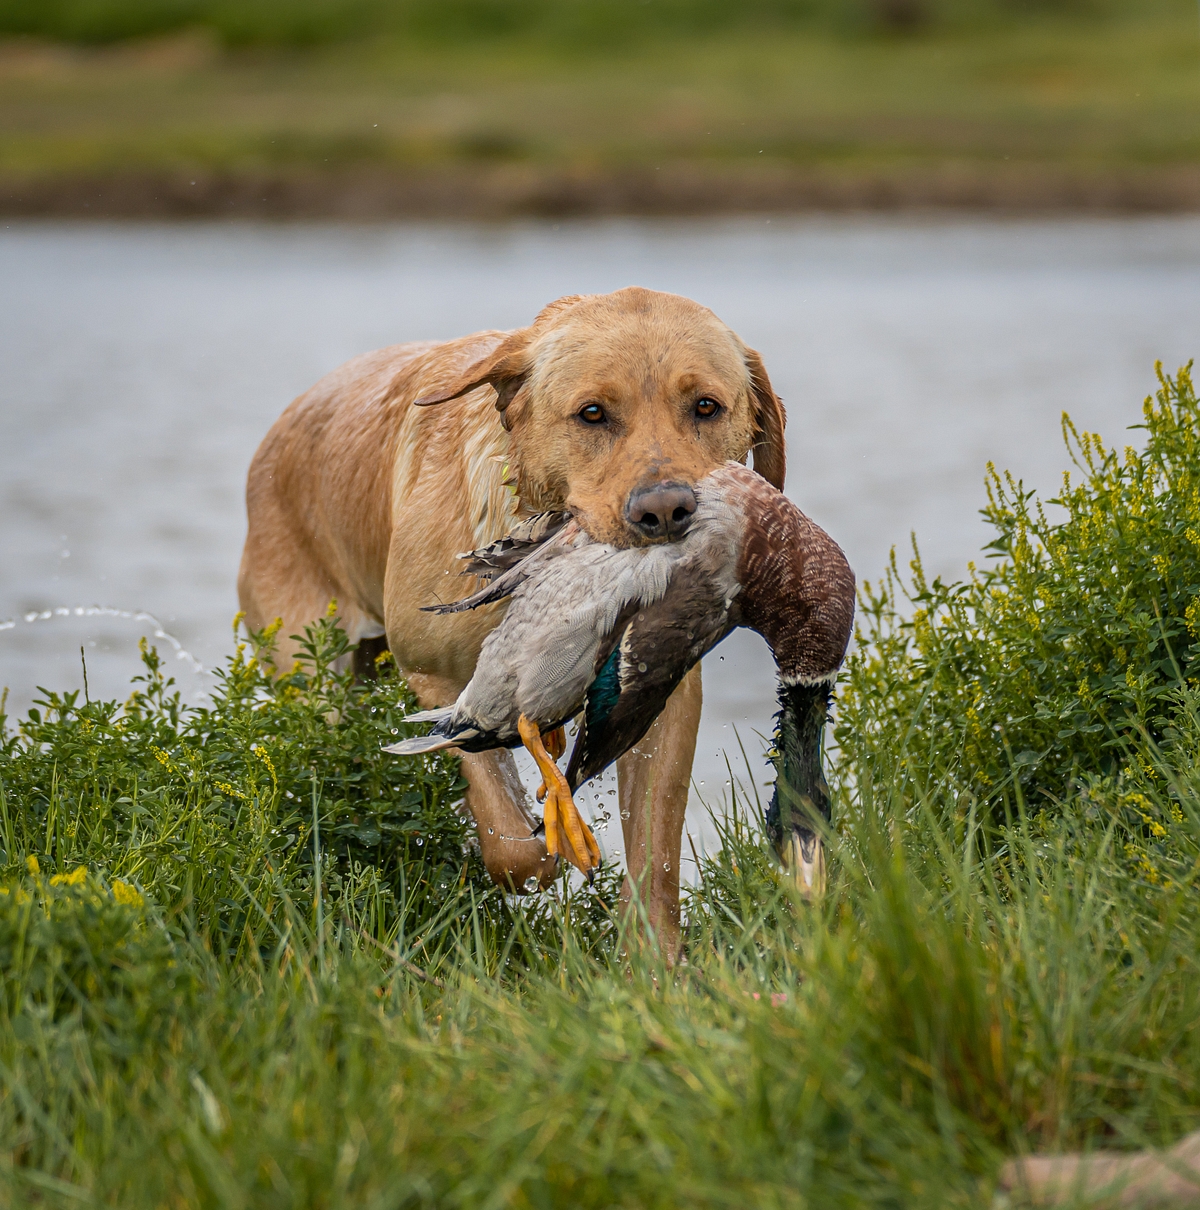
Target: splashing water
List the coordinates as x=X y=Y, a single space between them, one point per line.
x=108 y=611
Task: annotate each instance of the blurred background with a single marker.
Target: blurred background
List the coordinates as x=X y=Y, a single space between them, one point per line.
x=379 y=108
x=943 y=222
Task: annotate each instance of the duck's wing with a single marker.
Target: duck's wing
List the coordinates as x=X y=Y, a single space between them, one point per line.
x=490 y=561
x=509 y=562
x=641 y=664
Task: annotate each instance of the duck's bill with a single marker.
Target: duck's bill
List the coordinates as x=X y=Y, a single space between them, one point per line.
x=804 y=860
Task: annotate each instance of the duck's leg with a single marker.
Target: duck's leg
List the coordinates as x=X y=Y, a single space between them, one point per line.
x=566 y=832
x=510 y=839
x=556 y=744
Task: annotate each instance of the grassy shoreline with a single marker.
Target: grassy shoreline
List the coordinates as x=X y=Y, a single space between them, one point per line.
x=1046 y=114
x=250 y=961
x=485 y=193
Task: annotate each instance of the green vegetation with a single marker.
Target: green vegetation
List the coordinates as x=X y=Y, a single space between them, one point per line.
x=574 y=23
x=1064 y=660
x=247 y=960
x=1065 y=103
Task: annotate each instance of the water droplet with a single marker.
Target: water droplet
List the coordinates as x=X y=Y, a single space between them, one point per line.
x=624 y=814
x=531 y=883
x=641 y=667
x=666 y=865
x=420 y=842
x=491 y=831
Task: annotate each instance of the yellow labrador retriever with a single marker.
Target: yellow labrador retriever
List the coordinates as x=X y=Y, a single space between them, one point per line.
x=610 y=405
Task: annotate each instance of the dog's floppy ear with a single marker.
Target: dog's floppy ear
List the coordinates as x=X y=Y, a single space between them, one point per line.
x=770 y=450
x=506 y=367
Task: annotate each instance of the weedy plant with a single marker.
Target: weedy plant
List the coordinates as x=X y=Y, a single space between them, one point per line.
x=272 y=799
x=1069 y=662
x=232 y=977
x=224 y=813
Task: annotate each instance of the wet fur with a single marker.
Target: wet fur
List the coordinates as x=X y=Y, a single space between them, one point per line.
x=369 y=484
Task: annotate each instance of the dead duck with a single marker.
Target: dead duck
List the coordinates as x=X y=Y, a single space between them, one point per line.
x=606 y=634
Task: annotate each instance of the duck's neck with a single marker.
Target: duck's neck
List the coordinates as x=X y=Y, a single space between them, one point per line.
x=801 y=796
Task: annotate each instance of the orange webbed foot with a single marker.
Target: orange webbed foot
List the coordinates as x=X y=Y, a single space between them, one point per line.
x=566 y=832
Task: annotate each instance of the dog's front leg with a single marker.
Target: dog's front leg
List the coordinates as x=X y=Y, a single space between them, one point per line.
x=653 y=780
x=515 y=857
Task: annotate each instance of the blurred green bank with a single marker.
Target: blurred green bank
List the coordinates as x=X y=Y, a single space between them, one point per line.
x=482 y=107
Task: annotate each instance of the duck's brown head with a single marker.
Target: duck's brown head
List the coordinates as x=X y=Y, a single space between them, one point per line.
x=797 y=589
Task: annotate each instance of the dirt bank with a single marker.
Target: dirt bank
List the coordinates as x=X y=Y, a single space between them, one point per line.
x=502 y=191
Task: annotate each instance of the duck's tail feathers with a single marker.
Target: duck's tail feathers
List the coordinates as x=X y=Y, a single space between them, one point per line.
x=421 y=743
x=433 y=742
x=430 y=716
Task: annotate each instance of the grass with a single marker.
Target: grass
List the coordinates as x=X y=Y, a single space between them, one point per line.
x=570 y=24
x=1019 y=101
x=249 y=961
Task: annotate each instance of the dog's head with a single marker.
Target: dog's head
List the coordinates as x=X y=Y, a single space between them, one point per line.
x=618 y=404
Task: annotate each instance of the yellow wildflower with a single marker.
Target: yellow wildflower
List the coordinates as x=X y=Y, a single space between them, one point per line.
x=263 y=755
x=122 y=892
x=77 y=877
x=1192 y=614
x=31 y=864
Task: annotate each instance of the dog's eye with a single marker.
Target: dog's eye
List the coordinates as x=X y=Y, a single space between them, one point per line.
x=592 y=414
x=706 y=409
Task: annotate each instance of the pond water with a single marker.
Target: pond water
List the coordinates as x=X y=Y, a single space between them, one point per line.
x=143 y=363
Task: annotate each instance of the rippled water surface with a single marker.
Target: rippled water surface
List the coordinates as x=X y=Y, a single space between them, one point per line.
x=142 y=364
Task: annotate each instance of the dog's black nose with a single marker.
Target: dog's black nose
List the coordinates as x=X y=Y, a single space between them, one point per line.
x=662 y=511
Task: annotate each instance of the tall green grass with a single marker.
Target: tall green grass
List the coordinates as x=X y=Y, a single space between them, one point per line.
x=574 y=23
x=215 y=994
